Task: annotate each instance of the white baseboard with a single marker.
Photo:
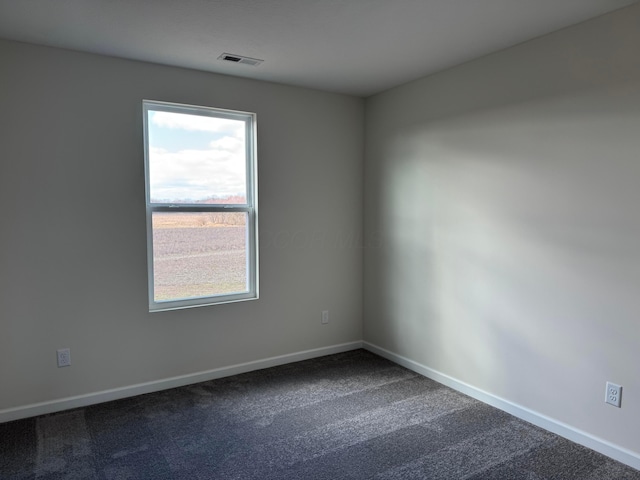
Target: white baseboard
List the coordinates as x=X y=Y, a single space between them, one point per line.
x=34 y=409
x=609 y=449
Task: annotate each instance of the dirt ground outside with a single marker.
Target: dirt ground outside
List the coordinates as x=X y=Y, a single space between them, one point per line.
x=199 y=254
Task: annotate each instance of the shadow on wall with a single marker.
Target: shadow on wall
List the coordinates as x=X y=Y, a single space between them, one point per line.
x=509 y=239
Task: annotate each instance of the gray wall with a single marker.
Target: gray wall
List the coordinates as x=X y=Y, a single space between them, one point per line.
x=503 y=215
x=73 y=245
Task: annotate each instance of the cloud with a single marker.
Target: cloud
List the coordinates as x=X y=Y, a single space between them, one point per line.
x=198 y=123
x=231 y=144
x=198 y=174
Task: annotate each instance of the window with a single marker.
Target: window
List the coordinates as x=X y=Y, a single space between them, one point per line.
x=200 y=170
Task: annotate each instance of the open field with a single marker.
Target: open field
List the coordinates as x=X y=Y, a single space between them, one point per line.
x=197 y=220
x=197 y=255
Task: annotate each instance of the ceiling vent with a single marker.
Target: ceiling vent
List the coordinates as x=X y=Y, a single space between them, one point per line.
x=230 y=57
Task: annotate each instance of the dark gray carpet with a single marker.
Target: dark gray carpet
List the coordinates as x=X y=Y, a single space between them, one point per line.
x=347 y=416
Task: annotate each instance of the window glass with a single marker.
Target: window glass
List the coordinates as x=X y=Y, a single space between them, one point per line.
x=196 y=159
x=199 y=254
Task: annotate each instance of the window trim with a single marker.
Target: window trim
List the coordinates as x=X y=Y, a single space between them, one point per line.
x=250 y=207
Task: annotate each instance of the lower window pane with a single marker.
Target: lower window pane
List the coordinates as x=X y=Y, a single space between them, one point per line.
x=199 y=254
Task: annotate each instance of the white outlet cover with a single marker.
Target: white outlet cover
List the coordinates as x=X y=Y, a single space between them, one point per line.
x=613 y=394
x=64 y=357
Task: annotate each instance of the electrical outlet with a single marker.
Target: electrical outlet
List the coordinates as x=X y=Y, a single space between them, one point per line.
x=64 y=357
x=613 y=394
x=325 y=317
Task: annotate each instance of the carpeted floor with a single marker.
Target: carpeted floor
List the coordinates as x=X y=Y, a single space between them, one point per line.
x=347 y=416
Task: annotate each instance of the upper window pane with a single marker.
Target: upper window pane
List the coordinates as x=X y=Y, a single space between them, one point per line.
x=195 y=158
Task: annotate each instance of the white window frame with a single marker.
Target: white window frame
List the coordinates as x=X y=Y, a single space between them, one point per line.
x=250 y=207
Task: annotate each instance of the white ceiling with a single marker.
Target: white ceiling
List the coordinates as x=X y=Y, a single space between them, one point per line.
x=358 y=47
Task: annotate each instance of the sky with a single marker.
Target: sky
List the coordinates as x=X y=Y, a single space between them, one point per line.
x=194 y=157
